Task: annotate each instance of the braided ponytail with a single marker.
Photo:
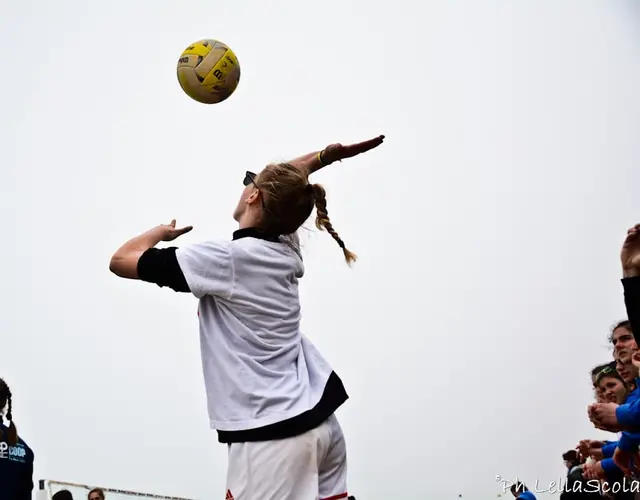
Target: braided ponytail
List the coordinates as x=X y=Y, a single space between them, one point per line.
x=5 y=400
x=323 y=222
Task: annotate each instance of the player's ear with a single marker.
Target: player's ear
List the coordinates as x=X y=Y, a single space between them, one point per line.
x=253 y=197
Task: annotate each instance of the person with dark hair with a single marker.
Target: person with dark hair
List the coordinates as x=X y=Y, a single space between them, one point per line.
x=625 y=368
x=571 y=459
x=618 y=388
x=611 y=385
x=62 y=495
x=576 y=487
x=594 y=373
x=16 y=458
x=272 y=396
x=622 y=337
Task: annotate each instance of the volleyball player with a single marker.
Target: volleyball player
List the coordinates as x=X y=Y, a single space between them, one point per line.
x=271 y=395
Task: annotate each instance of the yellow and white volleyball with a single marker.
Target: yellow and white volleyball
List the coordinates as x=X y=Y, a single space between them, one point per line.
x=208 y=71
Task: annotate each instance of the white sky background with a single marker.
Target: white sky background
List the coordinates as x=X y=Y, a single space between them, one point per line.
x=488 y=225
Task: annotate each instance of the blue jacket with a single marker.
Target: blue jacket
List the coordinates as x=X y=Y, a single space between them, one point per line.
x=526 y=495
x=628 y=415
x=609 y=448
x=16 y=469
x=626 y=442
x=611 y=470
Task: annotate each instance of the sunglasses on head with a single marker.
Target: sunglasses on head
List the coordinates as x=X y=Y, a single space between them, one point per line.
x=250 y=178
x=605 y=370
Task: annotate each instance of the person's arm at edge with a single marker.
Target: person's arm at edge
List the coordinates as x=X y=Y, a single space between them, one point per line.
x=630 y=279
x=631 y=286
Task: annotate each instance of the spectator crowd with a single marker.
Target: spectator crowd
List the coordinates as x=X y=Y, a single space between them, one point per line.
x=611 y=468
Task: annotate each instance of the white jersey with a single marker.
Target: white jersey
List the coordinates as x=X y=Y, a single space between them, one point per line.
x=258 y=367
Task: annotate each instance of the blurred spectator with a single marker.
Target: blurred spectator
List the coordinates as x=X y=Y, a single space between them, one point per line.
x=16 y=458
x=622 y=338
x=599 y=397
x=521 y=492
x=62 y=495
x=96 y=494
x=611 y=385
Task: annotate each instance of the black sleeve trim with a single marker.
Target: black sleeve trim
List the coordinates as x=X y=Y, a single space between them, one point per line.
x=632 y=303
x=160 y=266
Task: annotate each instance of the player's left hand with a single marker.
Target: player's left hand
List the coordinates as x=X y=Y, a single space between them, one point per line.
x=339 y=152
x=170 y=232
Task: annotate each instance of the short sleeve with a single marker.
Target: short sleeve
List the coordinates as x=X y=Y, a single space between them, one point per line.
x=207 y=268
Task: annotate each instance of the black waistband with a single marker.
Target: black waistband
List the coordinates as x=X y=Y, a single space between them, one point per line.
x=333 y=397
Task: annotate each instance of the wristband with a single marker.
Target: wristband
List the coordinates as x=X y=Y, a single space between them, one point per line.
x=320 y=160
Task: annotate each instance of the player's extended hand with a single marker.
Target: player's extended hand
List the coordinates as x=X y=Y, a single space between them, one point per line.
x=630 y=253
x=170 y=232
x=338 y=152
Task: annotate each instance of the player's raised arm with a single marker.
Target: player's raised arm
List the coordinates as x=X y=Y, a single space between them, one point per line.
x=312 y=162
x=124 y=262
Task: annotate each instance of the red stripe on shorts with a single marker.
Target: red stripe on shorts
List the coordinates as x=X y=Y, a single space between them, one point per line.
x=337 y=497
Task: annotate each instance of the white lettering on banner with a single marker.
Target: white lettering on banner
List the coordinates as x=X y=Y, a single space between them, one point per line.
x=14 y=451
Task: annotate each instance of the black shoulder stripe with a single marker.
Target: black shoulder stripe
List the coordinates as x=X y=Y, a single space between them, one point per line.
x=160 y=266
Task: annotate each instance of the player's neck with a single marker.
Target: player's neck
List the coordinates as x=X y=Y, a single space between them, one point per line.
x=248 y=220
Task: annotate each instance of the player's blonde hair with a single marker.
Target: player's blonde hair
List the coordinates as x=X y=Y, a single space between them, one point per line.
x=288 y=200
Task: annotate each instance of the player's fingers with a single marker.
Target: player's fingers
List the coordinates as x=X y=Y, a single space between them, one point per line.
x=172 y=223
x=370 y=144
x=184 y=230
x=356 y=149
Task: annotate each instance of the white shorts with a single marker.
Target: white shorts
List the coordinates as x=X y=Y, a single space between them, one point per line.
x=311 y=466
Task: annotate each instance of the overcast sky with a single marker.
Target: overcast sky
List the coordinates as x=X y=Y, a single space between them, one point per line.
x=488 y=226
